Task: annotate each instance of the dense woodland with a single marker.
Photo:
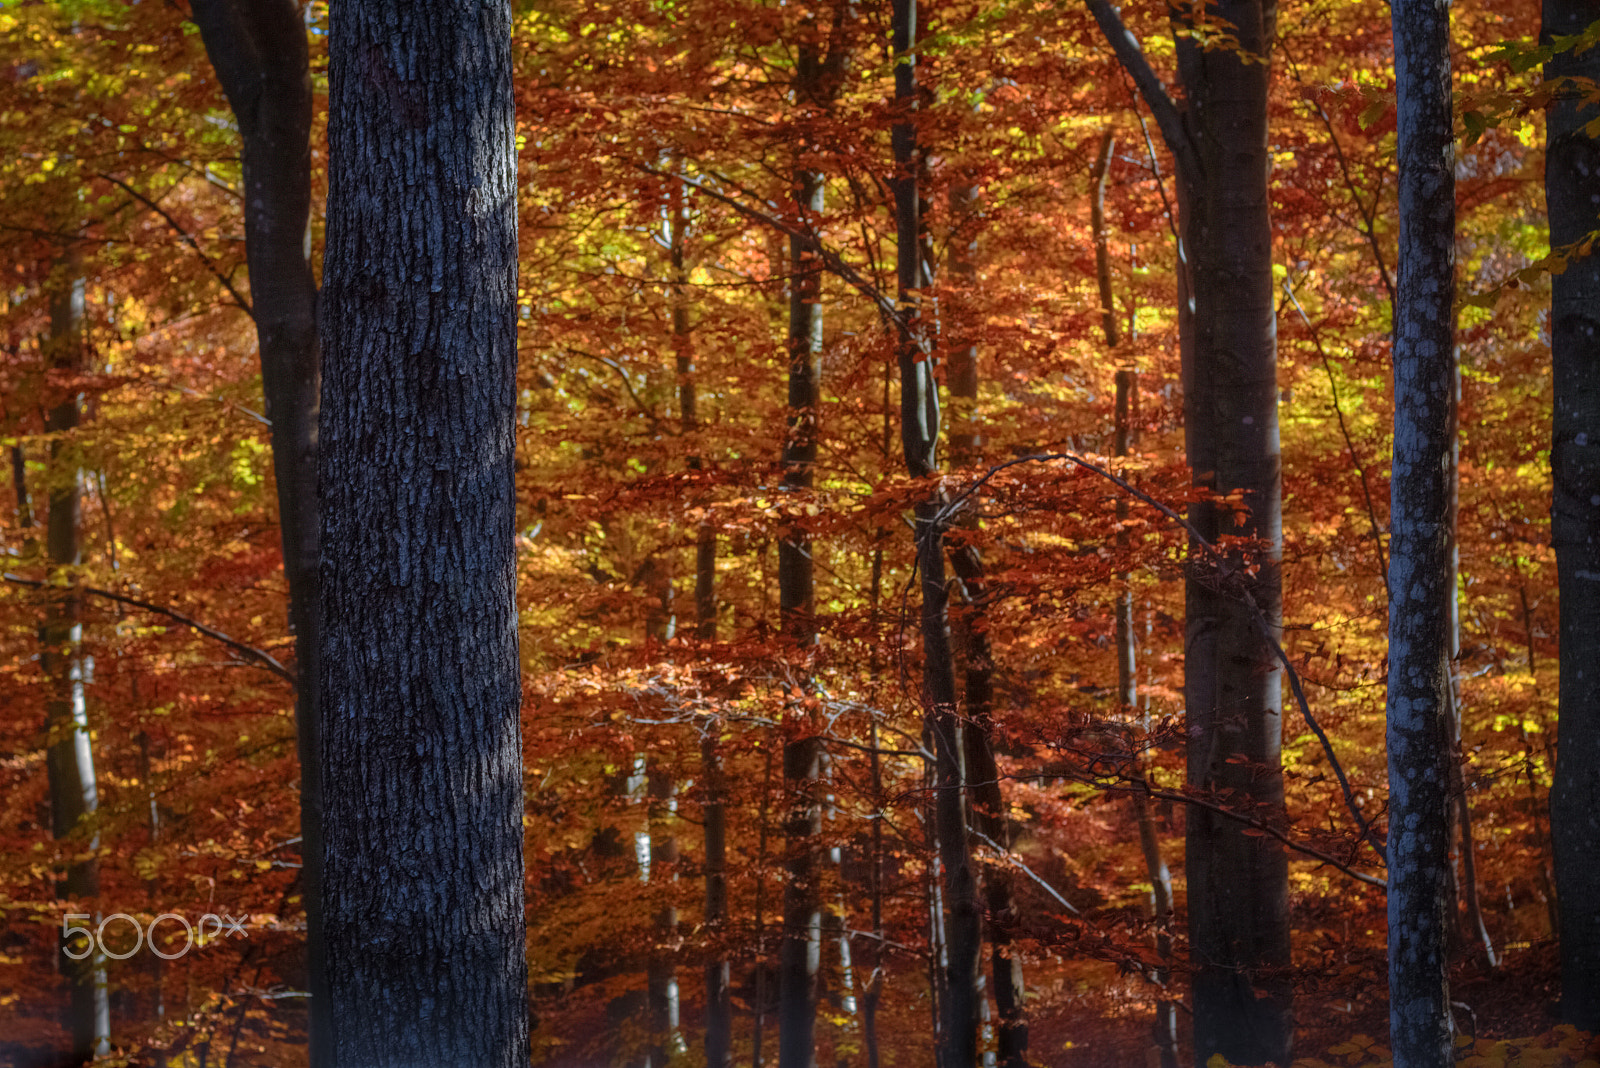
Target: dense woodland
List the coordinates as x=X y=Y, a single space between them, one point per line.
x=938 y=539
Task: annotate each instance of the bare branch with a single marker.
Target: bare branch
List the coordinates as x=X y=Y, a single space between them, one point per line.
x=1131 y=56
x=1226 y=570
x=188 y=239
x=249 y=652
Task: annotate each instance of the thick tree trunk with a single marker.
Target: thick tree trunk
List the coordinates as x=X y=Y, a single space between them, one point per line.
x=422 y=756
x=69 y=758
x=262 y=59
x=1419 y=560
x=1238 y=883
x=1572 y=180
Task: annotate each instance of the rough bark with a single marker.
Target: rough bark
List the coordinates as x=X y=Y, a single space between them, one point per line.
x=69 y=757
x=422 y=758
x=260 y=53
x=1418 y=710
x=1238 y=883
x=1572 y=181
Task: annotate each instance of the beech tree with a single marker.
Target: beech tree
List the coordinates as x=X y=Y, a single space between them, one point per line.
x=1571 y=181
x=1420 y=566
x=422 y=764
x=261 y=57
x=1238 y=882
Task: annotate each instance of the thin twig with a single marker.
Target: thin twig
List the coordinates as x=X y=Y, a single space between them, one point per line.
x=249 y=652
x=1349 y=443
x=1011 y=859
x=1224 y=567
x=188 y=238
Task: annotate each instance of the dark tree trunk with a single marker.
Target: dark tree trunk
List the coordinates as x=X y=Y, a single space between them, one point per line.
x=69 y=757
x=422 y=756
x=800 y=954
x=719 y=1006
x=262 y=59
x=1572 y=181
x=1419 y=740
x=1238 y=883
x=816 y=81
x=919 y=434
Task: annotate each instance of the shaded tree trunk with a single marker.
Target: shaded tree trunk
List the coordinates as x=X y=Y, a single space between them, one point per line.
x=261 y=56
x=816 y=81
x=1572 y=180
x=422 y=756
x=69 y=757
x=1238 y=883
x=1418 y=737
x=719 y=1004
x=919 y=433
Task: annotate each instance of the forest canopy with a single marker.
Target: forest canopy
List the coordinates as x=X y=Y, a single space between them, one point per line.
x=947 y=504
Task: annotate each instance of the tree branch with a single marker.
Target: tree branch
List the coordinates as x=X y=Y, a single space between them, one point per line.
x=188 y=238
x=1170 y=121
x=249 y=652
x=1224 y=567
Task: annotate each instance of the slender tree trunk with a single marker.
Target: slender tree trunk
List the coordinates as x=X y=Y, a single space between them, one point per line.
x=1164 y=1029
x=1572 y=179
x=801 y=952
x=719 y=1004
x=1419 y=559
x=661 y=983
x=919 y=432
x=758 y=1028
x=972 y=638
x=69 y=758
x=261 y=56
x=422 y=759
x=1476 y=930
x=1102 y=246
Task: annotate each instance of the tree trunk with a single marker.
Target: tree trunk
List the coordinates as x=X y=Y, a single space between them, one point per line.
x=262 y=59
x=1164 y=1029
x=1238 y=883
x=69 y=757
x=1572 y=179
x=719 y=1006
x=1418 y=737
x=661 y=983
x=422 y=756
x=919 y=433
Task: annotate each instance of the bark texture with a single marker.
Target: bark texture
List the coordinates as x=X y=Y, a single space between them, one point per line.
x=262 y=59
x=1420 y=572
x=1572 y=191
x=69 y=757
x=422 y=757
